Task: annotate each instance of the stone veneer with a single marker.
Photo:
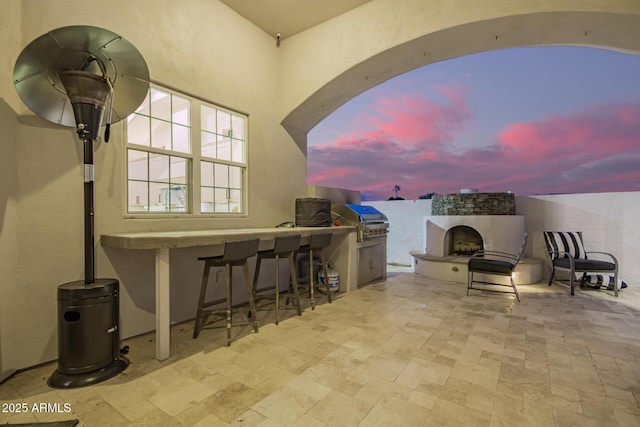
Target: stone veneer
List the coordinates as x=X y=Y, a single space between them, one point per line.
x=474 y=204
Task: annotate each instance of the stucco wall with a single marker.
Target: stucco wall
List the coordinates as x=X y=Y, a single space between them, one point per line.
x=608 y=222
x=385 y=38
x=9 y=285
x=405 y=227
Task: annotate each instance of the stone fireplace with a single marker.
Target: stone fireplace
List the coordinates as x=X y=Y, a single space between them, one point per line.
x=463 y=223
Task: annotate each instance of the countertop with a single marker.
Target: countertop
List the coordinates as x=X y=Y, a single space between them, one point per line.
x=184 y=239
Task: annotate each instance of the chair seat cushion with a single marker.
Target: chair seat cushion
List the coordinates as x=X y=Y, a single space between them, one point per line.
x=585 y=264
x=490 y=266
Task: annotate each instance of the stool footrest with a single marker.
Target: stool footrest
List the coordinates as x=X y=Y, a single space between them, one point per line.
x=216 y=302
x=261 y=290
x=239 y=307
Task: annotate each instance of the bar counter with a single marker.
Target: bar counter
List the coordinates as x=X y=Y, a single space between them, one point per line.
x=187 y=239
x=163 y=241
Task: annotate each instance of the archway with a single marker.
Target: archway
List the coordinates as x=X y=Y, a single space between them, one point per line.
x=615 y=31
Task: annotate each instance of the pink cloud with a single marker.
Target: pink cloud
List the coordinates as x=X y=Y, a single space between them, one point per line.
x=411 y=119
x=595 y=133
x=594 y=150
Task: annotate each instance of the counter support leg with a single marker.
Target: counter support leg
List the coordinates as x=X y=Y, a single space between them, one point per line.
x=163 y=317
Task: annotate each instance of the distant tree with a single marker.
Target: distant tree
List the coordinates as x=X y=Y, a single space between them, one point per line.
x=396 y=188
x=427 y=196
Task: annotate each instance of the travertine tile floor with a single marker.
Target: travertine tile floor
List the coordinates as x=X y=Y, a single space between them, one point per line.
x=409 y=351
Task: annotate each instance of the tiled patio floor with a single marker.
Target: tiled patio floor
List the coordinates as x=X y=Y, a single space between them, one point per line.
x=409 y=351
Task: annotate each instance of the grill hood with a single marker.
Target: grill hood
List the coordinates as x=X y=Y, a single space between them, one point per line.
x=359 y=213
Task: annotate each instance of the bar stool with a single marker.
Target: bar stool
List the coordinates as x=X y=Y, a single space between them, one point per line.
x=236 y=253
x=284 y=246
x=316 y=245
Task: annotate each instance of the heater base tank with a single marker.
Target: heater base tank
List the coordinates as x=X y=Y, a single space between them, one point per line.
x=88 y=334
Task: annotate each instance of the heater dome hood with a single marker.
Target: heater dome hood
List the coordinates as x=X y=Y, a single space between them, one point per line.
x=79 y=48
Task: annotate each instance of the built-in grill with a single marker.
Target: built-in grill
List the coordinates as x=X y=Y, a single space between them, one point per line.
x=370 y=222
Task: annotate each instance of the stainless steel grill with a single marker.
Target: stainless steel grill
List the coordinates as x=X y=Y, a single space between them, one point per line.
x=369 y=221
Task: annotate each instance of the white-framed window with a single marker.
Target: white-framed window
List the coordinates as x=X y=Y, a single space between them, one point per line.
x=185 y=156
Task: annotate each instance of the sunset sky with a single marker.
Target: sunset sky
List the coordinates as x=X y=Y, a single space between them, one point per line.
x=529 y=120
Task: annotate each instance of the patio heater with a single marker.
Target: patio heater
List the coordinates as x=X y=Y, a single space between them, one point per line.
x=70 y=76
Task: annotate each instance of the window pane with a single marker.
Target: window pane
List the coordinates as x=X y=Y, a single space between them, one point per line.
x=235 y=202
x=223 y=126
x=235 y=177
x=138 y=196
x=158 y=168
x=160 y=134
x=221 y=178
x=237 y=151
x=181 y=108
x=208 y=142
x=137 y=155
x=237 y=126
x=206 y=200
x=221 y=201
x=224 y=148
x=138 y=166
x=177 y=198
x=206 y=174
x=181 y=139
x=159 y=197
x=160 y=104
x=178 y=170
x=208 y=118
x=138 y=130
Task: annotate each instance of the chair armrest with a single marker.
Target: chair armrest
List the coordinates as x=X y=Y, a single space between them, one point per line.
x=614 y=259
x=495 y=254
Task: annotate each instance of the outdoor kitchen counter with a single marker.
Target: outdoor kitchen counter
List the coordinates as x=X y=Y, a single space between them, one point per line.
x=187 y=239
x=343 y=258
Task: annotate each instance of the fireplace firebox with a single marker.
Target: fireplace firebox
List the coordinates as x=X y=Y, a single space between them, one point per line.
x=462 y=240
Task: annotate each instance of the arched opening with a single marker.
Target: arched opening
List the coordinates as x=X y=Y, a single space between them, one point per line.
x=527 y=121
x=608 y=30
x=462 y=240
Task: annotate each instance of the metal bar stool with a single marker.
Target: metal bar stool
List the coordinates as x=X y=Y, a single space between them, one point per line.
x=284 y=246
x=236 y=253
x=316 y=245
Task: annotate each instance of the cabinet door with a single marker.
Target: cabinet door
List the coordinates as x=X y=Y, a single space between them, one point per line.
x=370 y=265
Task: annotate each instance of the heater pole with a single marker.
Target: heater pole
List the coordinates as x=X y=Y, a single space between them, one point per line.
x=89 y=255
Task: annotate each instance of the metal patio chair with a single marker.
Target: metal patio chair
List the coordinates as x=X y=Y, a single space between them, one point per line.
x=566 y=250
x=495 y=263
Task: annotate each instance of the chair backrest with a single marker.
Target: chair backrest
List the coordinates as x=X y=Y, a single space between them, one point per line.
x=237 y=250
x=320 y=241
x=520 y=252
x=286 y=244
x=561 y=244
